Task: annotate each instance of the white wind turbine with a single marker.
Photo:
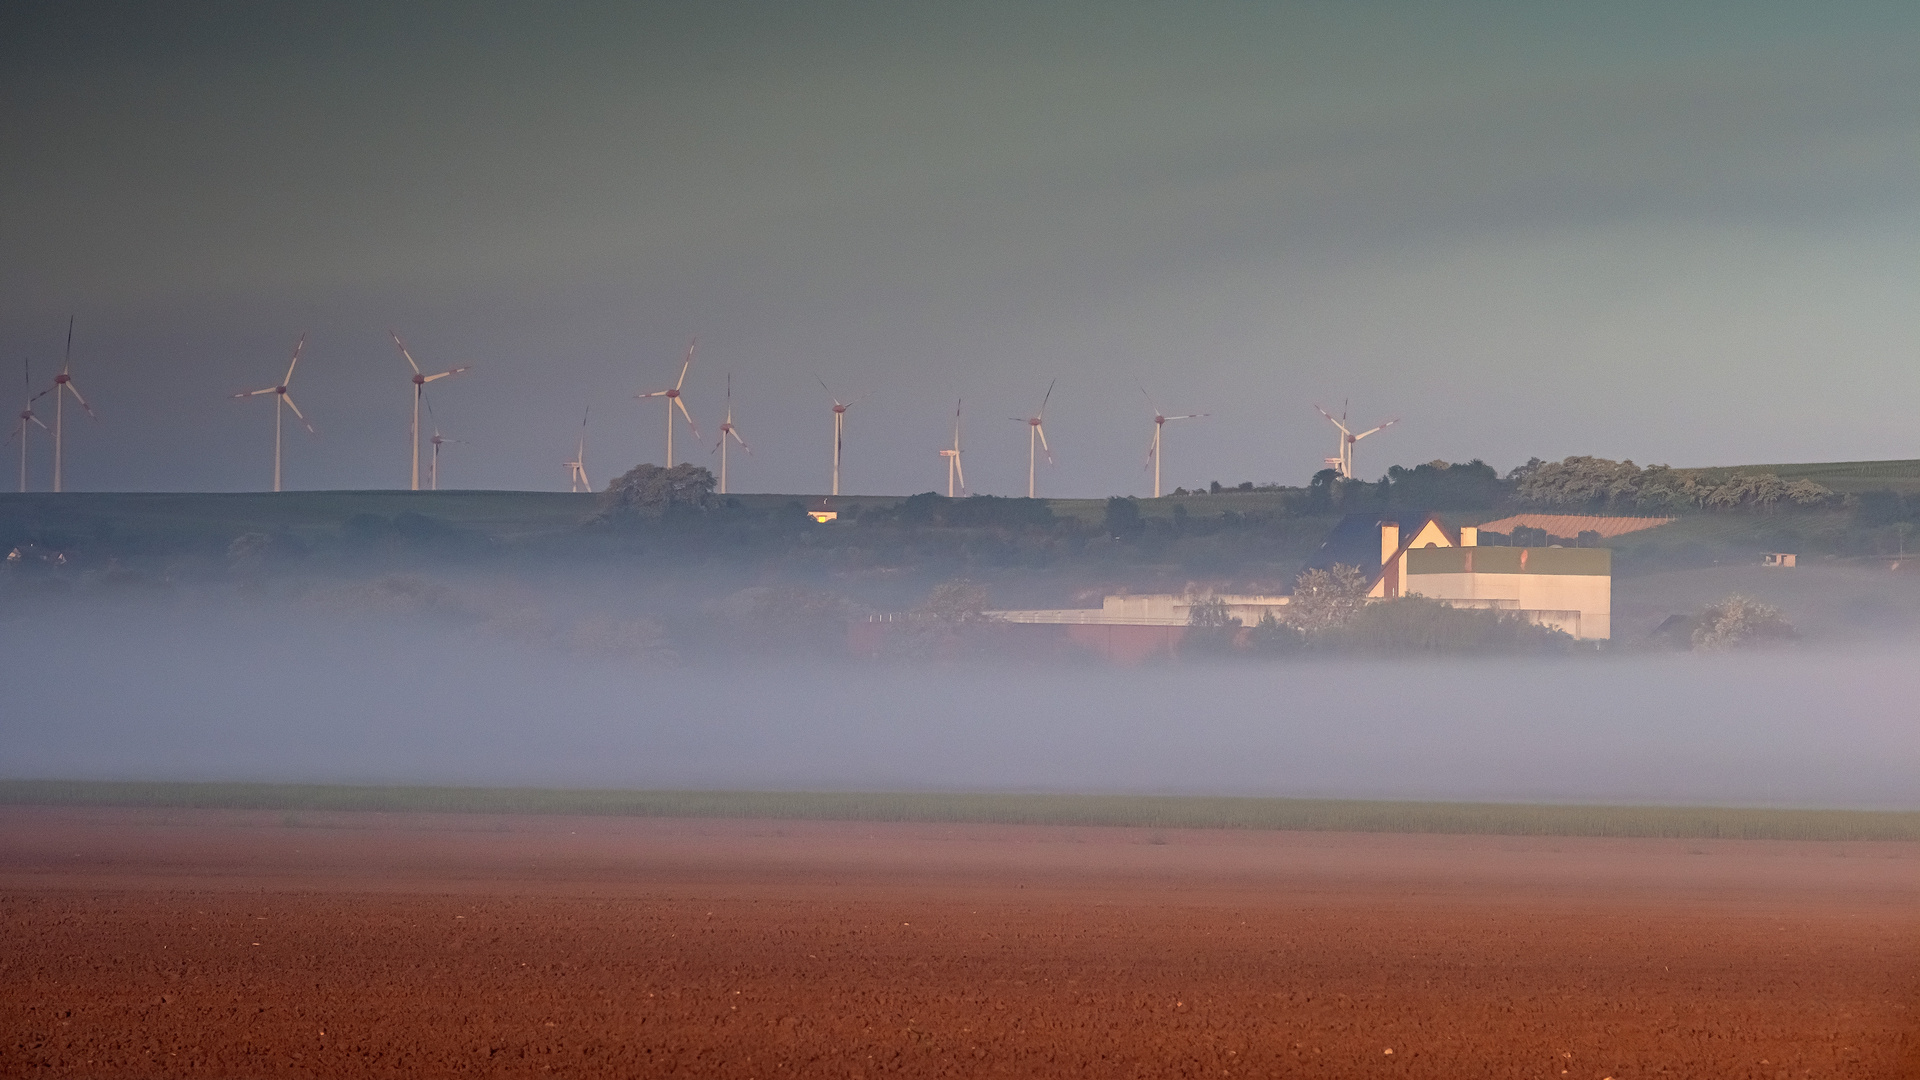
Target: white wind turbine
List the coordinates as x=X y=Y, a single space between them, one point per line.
x=1037 y=436
x=728 y=431
x=433 y=468
x=673 y=398
x=21 y=431
x=1160 y=422
x=420 y=382
x=62 y=386
x=1344 y=462
x=954 y=471
x=281 y=398
x=839 y=426
x=577 y=468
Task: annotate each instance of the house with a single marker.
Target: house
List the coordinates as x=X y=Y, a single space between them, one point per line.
x=1781 y=559
x=1568 y=589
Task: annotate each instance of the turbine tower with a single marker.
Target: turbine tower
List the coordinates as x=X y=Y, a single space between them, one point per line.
x=954 y=471
x=577 y=468
x=1037 y=436
x=1344 y=462
x=62 y=386
x=21 y=431
x=420 y=382
x=281 y=398
x=728 y=431
x=839 y=426
x=673 y=398
x=1160 y=422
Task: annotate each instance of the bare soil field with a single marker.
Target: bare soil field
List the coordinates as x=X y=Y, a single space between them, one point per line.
x=242 y=943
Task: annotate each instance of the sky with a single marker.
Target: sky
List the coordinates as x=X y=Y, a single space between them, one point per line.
x=1671 y=232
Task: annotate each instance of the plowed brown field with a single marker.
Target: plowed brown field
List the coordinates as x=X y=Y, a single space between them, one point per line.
x=227 y=943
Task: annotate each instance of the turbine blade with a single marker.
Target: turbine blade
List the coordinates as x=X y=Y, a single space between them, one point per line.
x=450 y=371
x=403 y=351
x=738 y=439
x=296 y=411
x=66 y=360
x=1043 y=442
x=81 y=400
x=682 y=402
x=254 y=393
x=297 y=346
x=960 y=471
x=652 y=394
x=37 y=420
x=687 y=364
x=1049 y=397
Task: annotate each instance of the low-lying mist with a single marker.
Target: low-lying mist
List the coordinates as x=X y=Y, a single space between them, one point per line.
x=274 y=692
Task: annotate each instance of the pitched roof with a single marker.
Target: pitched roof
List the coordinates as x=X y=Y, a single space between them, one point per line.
x=1355 y=541
x=1572 y=525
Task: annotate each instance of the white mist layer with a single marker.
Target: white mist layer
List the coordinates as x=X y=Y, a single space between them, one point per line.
x=164 y=696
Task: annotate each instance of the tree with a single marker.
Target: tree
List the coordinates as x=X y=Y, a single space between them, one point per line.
x=1738 y=622
x=1122 y=518
x=1210 y=613
x=955 y=602
x=1325 y=600
x=652 y=490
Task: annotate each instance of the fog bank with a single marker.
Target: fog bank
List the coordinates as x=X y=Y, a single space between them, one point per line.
x=165 y=695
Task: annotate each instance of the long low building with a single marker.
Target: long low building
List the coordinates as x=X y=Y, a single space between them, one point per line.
x=1153 y=609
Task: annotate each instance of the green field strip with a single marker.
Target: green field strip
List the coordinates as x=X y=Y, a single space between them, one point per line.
x=1140 y=811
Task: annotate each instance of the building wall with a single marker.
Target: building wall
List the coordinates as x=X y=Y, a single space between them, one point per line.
x=1570 y=589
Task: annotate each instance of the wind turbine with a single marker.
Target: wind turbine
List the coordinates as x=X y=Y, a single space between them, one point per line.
x=954 y=471
x=1037 y=436
x=281 y=398
x=839 y=426
x=420 y=382
x=1160 y=422
x=62 y=386
x=1344 y=462
x=433 y=469
x=673 y=399
x=21 y=431
x=577 y=468
x=727 y=431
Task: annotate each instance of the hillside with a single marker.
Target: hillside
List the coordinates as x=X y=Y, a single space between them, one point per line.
x=1847 y=477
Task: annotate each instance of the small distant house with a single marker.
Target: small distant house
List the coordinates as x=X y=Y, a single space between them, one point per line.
x=34 y=554
x=823 y=512
x=1782 y=559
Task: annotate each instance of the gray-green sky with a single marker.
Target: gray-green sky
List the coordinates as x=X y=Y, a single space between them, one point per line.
x=1672 y=232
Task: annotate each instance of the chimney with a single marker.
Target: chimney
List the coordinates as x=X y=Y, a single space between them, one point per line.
x=1389 y=541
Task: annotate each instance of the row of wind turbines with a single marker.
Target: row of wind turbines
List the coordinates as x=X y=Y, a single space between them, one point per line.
x=674 y=400
x=1037 y=444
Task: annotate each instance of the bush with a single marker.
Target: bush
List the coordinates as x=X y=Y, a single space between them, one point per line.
x=1740 y=622
x=1416 y=624
x=651 y=491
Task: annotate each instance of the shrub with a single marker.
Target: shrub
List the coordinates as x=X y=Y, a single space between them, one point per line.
x=1740 y=622
x=1416 y=624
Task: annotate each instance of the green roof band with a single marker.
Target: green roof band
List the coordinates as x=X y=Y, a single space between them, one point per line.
x=1586 y=562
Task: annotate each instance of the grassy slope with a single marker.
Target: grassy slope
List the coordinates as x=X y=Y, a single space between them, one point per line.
x=1339 y=815
x=1841 y=476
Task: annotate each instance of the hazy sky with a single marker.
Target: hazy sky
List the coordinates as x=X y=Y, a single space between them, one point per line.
x=1672 y=232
